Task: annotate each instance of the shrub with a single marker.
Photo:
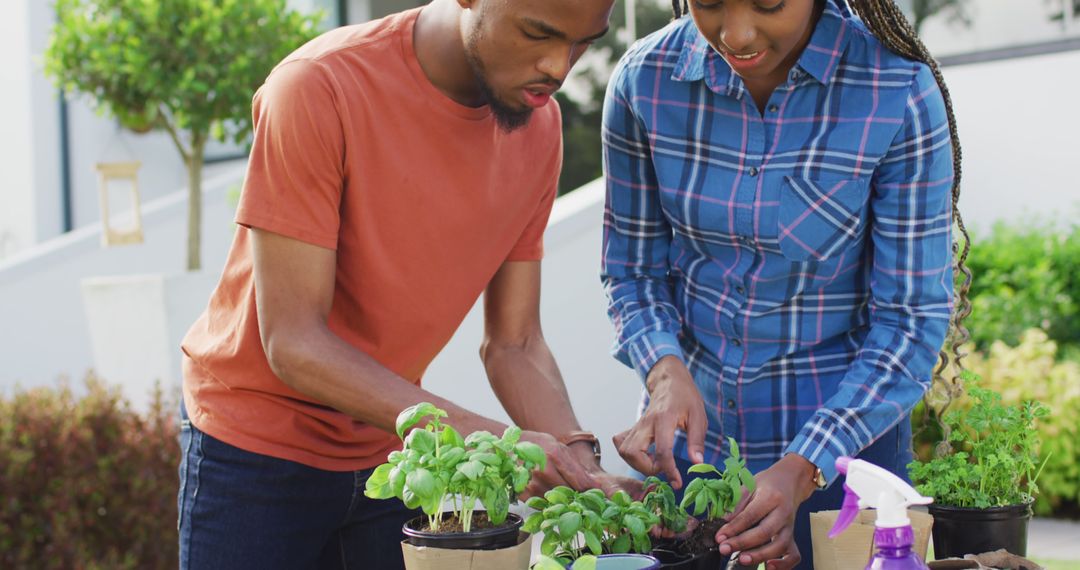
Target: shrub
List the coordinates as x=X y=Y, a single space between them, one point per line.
x=1026 y=275
x=86 y=482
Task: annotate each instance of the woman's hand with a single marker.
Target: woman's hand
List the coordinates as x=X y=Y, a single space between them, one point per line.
x=763 y=528
x=674 y=403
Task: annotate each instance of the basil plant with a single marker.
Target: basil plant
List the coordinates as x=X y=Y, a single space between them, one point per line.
x=438 y=468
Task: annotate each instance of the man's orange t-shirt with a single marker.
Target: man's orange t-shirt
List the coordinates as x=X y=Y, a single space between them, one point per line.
x=422 y=198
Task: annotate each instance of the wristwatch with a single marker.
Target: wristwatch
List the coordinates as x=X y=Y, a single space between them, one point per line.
x=576 y=436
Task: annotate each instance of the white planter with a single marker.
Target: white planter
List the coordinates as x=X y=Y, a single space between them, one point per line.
x=136 y=324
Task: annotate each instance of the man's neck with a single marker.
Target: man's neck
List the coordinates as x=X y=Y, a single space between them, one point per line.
x=441 y=52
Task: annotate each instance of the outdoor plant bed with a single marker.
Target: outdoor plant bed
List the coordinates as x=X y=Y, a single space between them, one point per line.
x=448 y=476
x=983 y=477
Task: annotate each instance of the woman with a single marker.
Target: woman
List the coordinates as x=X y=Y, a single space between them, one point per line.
x=781 y=183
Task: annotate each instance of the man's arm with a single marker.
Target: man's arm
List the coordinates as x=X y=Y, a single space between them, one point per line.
x=294 y=289
x=524 y=376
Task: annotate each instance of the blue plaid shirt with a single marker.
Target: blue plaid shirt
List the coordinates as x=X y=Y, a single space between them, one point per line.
x=797 y=259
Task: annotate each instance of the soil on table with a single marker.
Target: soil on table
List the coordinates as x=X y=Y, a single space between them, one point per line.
x=452 y=525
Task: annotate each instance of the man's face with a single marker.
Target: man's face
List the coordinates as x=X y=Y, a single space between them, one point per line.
x=759 y=39
x=522 y=50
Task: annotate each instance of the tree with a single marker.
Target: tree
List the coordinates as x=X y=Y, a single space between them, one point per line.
x=582 y=152
x=923 y=10
x=1063 y=11
x=188 y=67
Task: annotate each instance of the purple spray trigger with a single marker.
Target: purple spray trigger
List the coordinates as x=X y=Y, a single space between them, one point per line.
x=848 y=512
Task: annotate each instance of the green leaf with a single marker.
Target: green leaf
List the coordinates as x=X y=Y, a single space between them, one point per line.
x=559 y=495
x=487 y=459
x=413 y=415
x=450 y=437
x=621 y=544
x=521 y=479
x=704 y=468
x=592 y=542
x=471 y=469
x=551 y=540
x=547 y=563
x=421 y=440
x=498 y=506
x=452 y=456
x=532 y=523
x=538 y=503
x=378 y=485
x=532 y=453
x=569 y=524
x=512 y=434
x=422 y=483
x=621 y=498
x=634 y=524
x=586 y=562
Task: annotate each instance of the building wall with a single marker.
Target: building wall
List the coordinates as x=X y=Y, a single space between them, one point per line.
x=17 y=224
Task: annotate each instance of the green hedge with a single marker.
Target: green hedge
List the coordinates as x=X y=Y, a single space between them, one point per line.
x=1026 y=275
x=86 y=482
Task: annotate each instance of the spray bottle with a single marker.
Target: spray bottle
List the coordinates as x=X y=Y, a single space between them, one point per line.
x=868 y=485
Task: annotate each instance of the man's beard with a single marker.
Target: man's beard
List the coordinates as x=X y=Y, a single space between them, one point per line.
x=507 y=118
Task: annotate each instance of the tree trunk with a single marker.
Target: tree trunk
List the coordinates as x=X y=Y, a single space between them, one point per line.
x=195 y=166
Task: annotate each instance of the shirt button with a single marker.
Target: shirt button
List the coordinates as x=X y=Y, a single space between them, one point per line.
x=740 y=290
x=753 y=171
x=773 y=108
x=736 y=342
x=731 y=404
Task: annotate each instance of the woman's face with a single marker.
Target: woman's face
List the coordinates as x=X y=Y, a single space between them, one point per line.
x=760 y=39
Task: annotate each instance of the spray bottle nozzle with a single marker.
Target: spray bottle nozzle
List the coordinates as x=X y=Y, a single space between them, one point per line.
x=868 y=485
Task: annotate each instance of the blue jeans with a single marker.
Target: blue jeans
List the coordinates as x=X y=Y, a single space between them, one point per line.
x=240 y=510
x=891 y=451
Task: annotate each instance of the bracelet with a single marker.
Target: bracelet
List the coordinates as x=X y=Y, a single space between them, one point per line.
x=576 y=436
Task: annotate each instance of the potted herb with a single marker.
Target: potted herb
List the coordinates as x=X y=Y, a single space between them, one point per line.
x=578 y=524
x=445 y=475
x=983 y=486
x=715 y=498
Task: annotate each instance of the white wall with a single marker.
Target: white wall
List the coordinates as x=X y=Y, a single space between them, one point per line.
x=1019 y=122
x=16 y=203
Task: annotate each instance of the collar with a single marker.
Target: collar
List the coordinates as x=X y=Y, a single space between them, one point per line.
x=820 y=59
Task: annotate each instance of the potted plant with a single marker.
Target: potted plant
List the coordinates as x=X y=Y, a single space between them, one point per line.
x=715 y=498
x=984 y=484
x=579 y=524
x=445 y=475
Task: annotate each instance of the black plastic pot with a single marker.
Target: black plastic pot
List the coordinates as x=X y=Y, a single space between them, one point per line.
x=503 y=536
x=960 y=531
x=708 y=560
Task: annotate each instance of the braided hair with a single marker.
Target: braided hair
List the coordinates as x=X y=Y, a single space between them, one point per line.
x=889 y=25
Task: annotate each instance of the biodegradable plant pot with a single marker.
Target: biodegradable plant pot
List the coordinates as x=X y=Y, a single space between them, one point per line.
x=627 y=562
x=960 y=531
x=495 y=538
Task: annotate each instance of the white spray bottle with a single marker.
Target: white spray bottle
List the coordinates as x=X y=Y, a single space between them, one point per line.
x=868 y=485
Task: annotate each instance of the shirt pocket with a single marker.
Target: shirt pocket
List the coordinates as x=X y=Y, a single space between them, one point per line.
x=819 y=218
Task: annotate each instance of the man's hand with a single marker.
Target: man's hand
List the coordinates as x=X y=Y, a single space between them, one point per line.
x=674 y=403
x=563 y=467
x=762 y=528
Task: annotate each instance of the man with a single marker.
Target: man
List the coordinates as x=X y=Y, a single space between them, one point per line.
x=399 y=169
